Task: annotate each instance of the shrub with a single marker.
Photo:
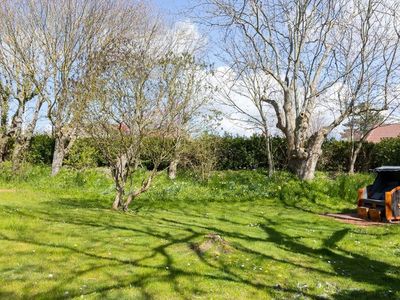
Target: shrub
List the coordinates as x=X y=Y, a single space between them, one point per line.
x=83 y=155
x=41 y=149
x=199 y=156
x=387 y=152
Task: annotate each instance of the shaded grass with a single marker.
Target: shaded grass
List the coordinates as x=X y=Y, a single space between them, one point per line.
x=60 y=240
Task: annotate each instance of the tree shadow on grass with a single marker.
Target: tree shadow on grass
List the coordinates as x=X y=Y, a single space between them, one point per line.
x=8 y=295
x=171 y=277
x=176 y=231
x=86 y=202
x=170 y=271
x=348 y=264
x=365 y=295
x=345 y=264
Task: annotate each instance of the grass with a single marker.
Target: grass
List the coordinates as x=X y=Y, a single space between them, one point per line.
x=59 y=239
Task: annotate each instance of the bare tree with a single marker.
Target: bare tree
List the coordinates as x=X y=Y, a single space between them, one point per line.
x=318 y=54
x=131 y=113
x=360 y=125
x=188 y=92
x=71 y=34
x=22 y=78
x=243 y=99
x=186 y=80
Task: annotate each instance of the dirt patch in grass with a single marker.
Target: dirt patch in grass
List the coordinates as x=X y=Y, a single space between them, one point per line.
x=352 y=218
x=7 y=190
x=212 y=243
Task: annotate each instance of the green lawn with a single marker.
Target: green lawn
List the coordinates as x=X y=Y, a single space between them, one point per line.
x=59 y=239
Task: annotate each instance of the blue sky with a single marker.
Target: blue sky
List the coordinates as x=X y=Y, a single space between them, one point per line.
x=171 y=4
x=174 y=11
x=172 y=8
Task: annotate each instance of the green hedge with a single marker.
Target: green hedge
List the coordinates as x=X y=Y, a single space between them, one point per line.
x=249 y=153
x=235 y=153
x=387 y=152
x=41 y=149
x=336 y=157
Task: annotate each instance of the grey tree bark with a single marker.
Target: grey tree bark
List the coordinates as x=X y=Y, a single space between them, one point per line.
x=118 y=202
x=23 y=137
x=270 y=159
x=354 y=154
x=20 y=148
x=62 y=146
x=172 y=169
x=58 y=156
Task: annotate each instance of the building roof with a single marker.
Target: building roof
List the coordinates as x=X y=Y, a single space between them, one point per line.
x=384 y=131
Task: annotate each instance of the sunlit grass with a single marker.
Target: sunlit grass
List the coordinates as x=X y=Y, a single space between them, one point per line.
x=59 y=239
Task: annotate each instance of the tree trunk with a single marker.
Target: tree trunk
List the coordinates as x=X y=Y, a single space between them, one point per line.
x=270 y=159
x=173 y=166
x=58 y=156
x=308 y=167
x=18 y=154
x=304 y=163
x=145 y=186
x=296 y=159
x=118 y=202
x=23 y=138
x=63 y=144
x=3 y=148
x=128 y=201
x=353 y=158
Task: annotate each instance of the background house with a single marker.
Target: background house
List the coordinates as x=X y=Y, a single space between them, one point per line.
x=384 y=131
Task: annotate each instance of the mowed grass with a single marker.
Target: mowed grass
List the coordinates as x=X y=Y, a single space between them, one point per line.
x=59 y=239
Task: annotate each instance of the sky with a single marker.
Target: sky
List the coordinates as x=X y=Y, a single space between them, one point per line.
x=174 y=11
x=171 y=5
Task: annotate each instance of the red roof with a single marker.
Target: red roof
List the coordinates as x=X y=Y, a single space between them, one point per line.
x=385 y=131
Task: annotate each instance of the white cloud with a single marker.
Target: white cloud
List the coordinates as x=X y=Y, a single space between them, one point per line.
x=187 y=37
x=239 y=114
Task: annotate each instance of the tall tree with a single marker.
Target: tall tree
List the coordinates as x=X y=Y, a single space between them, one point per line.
x=22 y=78
x=360 y=125
x=187 y=86
x=187 y=94
x=318 y=54
x=72 y=34
x=131 y=112
x=243 y=100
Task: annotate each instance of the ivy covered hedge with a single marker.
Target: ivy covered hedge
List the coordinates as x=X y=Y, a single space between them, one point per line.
x=236 y=153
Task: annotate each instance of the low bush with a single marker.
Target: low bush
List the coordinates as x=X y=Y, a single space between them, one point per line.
x=41 y=149
x=83 y=155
